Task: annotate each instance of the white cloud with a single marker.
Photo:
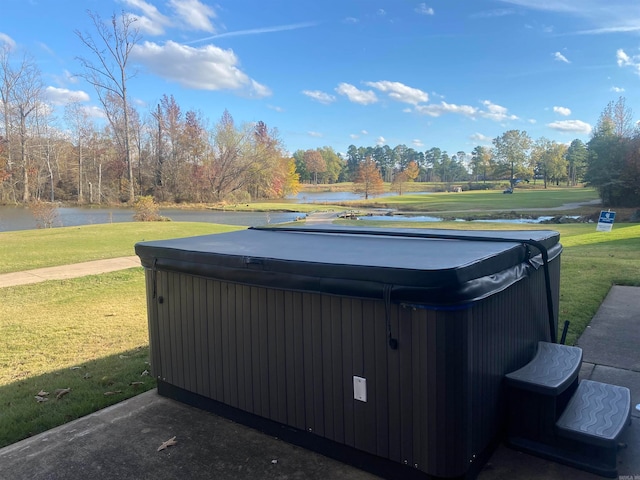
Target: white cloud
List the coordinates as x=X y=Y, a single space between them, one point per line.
x=400 y=92
x=479 y=137
x=151 y=21
x=62 y=96
x=315 y=134
x=617 y=89
x=7 y=40
x=492 y=111
x=560 y=57
x=495 y=112
x=364 y=132
x=353 y=136
x=564 y=111
x=363 y=97
x=194 y=14
x=276 y=108
x=422 y=9
x=381 y=12
x=204 y=68
x=381 y=141
x=571 y=126
x=417 y=143
x=625 y=60
x=319 y=96
x=351 y=20
x=95 y=111
x=532 y=121
x=435 y=110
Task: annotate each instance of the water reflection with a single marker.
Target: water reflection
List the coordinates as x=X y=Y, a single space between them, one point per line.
x=20 y=218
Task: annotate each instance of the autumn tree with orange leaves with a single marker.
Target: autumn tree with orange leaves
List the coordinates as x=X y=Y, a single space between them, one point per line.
x=368 y=181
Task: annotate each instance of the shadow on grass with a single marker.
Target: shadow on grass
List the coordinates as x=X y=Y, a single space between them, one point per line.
x=93 y=385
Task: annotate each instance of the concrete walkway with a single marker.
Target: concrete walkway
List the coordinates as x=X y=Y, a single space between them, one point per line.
x=68 y=271
x=122 y=441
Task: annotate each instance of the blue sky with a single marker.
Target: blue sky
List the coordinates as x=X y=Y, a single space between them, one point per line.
x=451 y=74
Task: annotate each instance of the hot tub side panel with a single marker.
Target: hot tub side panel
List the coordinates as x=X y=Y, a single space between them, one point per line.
x=291 y=356
x=504 y=333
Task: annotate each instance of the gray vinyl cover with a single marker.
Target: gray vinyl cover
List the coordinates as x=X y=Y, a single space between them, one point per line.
x=356 y=262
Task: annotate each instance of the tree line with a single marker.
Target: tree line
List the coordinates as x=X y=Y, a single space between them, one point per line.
x=179 y=156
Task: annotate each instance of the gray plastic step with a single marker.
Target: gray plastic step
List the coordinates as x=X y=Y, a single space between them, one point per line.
x=596 y=414
x=553 y=368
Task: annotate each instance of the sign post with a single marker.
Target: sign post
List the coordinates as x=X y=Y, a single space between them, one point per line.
x=605 y=222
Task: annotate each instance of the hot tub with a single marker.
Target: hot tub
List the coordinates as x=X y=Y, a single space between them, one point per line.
x=383 y=347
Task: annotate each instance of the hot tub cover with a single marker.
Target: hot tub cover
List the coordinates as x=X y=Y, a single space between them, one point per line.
x=433 y=267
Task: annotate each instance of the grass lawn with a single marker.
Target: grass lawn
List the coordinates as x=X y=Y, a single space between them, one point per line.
x=473 y=201
x=27 y=249
x=87 y=334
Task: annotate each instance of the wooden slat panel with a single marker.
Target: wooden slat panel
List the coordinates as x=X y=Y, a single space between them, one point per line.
x=307 y=351
x=217 y=362
x=347 y=371
x=298 y=362
x=237 y=321
x=406 y=387
x=380 y=350
x=272 y=353
x=227 y=304
x=328 y=379
x=369 y=440
x=393 y=387
x=281 y=363
x=290 y=342
x=259 y=339
x=177 y=377
x=337 y=375
x=317 y=363
x=188 y=337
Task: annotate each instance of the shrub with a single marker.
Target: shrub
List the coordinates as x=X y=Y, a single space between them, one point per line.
x=147 y=210
x=44 y=213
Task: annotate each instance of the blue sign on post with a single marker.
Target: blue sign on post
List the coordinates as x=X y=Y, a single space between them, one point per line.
x=605 y=222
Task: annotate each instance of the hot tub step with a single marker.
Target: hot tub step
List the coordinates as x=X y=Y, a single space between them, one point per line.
x=554 y=368
x=596 y=414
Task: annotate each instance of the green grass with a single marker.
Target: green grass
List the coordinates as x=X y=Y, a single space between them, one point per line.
x=28 y=249
x=88 y=334
x=473 y=201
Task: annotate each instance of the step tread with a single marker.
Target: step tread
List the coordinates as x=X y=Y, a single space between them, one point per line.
x=596 y=414
x=553 y=368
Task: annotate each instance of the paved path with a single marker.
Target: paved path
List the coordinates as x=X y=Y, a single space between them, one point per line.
x=68 y=271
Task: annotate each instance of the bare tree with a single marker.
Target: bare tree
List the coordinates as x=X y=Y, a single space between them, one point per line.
x=109 y=71
x=20 y=93
x=82 y=127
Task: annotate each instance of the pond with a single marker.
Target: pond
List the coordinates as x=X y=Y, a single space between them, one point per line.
x=20 y=218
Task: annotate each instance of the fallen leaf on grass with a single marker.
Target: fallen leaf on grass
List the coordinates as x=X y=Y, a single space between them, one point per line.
x=145 y=373
x=61 y=392
x=106 y=394
x=168 y=443
x=75 y=368
x=40 y=399
x=42 y=393
x=86 y=375
x=123 y=356
x=135 y=384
